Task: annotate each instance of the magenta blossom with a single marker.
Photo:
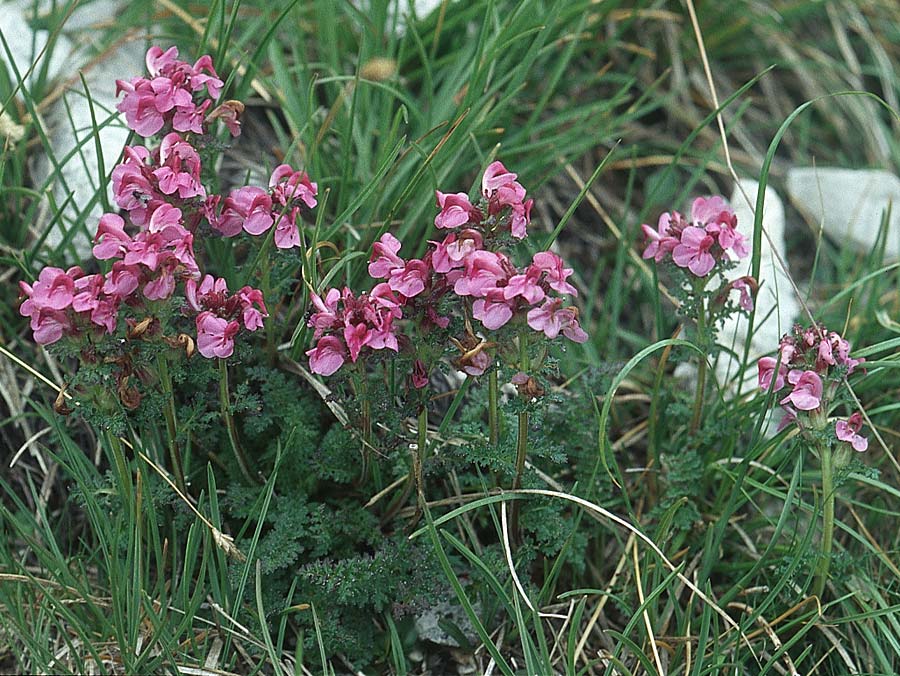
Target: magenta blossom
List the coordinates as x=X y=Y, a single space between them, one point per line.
x=456 y=210
x=662 y=241
x=327 y=356
x=767 y=372
x=807 y=392
x=848 y=430
x=693 y=251
x=215 y=336
x=553 y=319
x=288 y=186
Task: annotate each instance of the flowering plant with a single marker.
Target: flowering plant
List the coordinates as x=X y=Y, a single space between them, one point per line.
x=153 y=300
x=467 y=271
x=696 y=251
x=426 y=306
x=813 y=364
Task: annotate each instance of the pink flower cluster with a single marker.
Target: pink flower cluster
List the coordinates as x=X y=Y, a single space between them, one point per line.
x=220 y=315
x=161 y=193
x=465 y=263
x=698 y=245
x=170 y=95
x=813 y=362
x=344 y=324
x=62 y=302
x=255 y=211
x=499 y=191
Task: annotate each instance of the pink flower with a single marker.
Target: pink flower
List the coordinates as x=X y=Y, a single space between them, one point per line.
x=746 y=286
x=848 y=430
x=766 y=367
x=557 y=274
x=384 y=259
x=139 y=106
x=807 y=392
x=286 y=233
x=521 y=217
x=165 y=216
x=326 y=318
x=133 y=188
x=190 y=117
x=158 y=60
x=411 y=279
x=162 y=286
x=180 y=170
x=53 y=290
x=145 y=250
x=253 y=307
x=327 y=356
x=122 y=280
x=106 y=313
x=693 y=251
x=495 y=177
x=553 y=319
x=718 y=218
x=215 y=336
x=49 y=325
x=500 y=188
x=665 y=238
x=526 y=285
x=248 y=208
x=713 y=209
x=87 y=293
x=356 y=336
x=493 y=311
x=210 y=292
x=456 y=210
x=288 y=185
x=111 y=241
x=454 y=250
x=482 y=272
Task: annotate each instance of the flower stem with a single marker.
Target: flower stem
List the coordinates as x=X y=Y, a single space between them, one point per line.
x=827 y=520
x=701 y=368
x=225 y=407
x=419 y=458
x=122 y=470
x=165 y=380
x=268 y=323
x=366 y=422
x=521 y=439
x=493 y=407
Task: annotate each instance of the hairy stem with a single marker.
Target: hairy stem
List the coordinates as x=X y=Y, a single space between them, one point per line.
x=366 y=422
x=827 y=520
x=521 y=439
x=493 y=410
x=225 y=406
x=268 y=323
x=171 y=422
x=701 y=368
x=122 y=470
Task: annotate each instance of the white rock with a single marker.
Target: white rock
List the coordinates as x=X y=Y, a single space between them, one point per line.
x=850 y=204
x=777 y=306
x=26 y=45
x=70 y=127
x=68 y=123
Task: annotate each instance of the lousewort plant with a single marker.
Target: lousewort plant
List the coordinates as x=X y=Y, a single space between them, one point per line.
x=813 y=364
x=427 y=307
x=153 y=304
x=698 y=252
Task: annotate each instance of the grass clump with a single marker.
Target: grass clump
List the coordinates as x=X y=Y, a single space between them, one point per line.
x=494 y=493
